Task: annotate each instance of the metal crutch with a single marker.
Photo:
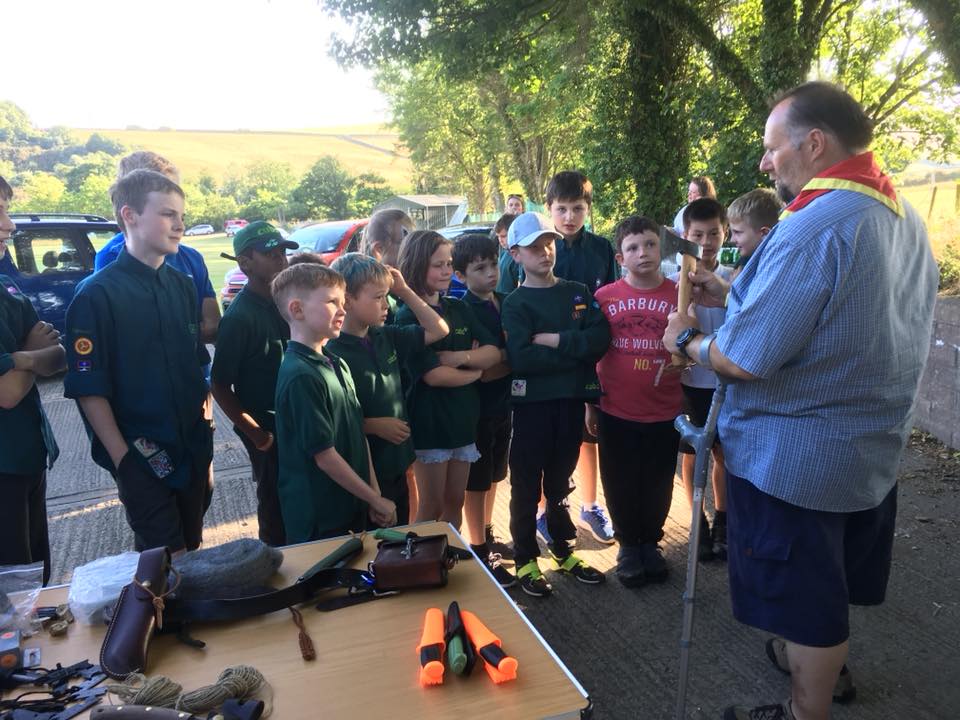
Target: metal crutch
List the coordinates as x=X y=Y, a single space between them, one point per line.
x=701 y=440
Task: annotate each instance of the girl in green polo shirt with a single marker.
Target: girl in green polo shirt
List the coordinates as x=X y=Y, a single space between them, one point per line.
x=444 y=403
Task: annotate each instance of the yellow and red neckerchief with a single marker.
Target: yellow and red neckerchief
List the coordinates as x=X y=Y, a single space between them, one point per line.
x=859 y=173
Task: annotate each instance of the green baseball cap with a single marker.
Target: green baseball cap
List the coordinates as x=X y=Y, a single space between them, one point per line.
x=259 y=235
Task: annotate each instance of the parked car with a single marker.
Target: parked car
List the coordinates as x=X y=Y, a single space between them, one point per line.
x=231 y=226
x=50 y=253
x=200 y=230
x=329 y=239
x=452 y=232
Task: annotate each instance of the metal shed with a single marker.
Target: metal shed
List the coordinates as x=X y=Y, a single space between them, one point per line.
x=429 y=212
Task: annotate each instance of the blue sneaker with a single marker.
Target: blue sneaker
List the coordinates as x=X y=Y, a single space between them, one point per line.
x=542 y=529
x=596 y=522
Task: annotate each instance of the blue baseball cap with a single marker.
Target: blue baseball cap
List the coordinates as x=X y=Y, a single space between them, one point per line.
x=527 y=228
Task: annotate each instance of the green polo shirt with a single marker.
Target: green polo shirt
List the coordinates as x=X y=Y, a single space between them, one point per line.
x=317 y=409
x=26 y=441
x=375 y=363
x=250 y=344
x=494 y=395
x=445 y=418
x=133 y=338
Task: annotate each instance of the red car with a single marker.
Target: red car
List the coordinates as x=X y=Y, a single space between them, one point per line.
x=330 y=239
x=231 y=226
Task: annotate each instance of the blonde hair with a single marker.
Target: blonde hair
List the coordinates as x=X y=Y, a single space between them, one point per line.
x=147 y=160
x=758 y=208
x=302 y=278
x=359 y=269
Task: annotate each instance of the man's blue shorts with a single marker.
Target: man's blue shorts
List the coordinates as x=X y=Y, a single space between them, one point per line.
x=794 y=571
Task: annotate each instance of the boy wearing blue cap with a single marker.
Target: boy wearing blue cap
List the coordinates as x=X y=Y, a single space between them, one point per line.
x=250 y=344
x=555 y=334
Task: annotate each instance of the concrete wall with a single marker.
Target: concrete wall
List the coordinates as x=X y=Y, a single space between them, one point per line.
x=938 y=404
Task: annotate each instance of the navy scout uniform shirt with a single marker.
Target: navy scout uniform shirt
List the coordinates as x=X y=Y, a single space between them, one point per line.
x=133 y=338
x=26 y=439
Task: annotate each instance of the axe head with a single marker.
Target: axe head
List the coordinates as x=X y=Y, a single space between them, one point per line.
x=671 y=243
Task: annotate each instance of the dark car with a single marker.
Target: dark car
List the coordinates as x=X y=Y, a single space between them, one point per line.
x=329 y=239
x=452 y=232
x=50 y=253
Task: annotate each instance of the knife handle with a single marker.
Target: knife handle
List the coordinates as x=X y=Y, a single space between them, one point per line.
x=138 y=712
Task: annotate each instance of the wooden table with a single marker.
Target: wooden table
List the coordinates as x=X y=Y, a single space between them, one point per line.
x=367 y=665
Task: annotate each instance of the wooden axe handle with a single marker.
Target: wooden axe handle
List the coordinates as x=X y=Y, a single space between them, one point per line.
x=688 y=264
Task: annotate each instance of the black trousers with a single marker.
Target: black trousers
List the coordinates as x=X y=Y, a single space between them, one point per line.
x=23 y=521
x=265 y=467
x=637 y=465
x=543 y=453
x=395 y=489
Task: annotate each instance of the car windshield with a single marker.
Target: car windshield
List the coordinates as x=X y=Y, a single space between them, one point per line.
x=320 y=238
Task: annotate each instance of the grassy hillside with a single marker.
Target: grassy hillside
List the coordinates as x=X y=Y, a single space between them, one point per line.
x=360 y=149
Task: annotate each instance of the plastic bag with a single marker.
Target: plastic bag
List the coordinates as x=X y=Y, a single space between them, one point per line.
x=97 y=585
x=20 y=587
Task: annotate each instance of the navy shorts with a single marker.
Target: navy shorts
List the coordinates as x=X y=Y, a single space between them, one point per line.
x=493 y=442
x=795 y=572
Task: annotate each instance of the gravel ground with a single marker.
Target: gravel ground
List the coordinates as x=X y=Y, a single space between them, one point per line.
x=623 y=645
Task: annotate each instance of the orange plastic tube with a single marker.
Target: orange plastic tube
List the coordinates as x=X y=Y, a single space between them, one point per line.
x=431 y=648
x=499 y=666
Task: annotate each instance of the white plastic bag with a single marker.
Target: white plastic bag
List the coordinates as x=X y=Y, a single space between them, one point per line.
x=97 y=585
x=20 y=586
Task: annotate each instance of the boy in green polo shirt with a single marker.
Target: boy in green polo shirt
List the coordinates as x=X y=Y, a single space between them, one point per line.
x=555 y=334
x=135 y=365
x=250 y=344
x=327 y=482
x=375 y=352
x=28 y=349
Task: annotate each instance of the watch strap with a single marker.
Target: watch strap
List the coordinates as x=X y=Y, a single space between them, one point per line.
x=703 y=353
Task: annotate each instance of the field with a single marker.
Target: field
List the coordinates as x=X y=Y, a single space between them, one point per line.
x=210 y=246
x=943 y=219
x=359 y=149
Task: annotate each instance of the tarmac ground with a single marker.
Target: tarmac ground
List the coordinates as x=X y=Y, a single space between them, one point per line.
x=623 y=645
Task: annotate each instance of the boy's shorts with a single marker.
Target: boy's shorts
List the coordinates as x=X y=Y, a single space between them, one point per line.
x=795 y=572
x=696 y=404
x=467 y=453
x=493 y=443
x=160 y=515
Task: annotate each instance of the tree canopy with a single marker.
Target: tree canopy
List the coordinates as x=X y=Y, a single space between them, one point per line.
x=643 y=93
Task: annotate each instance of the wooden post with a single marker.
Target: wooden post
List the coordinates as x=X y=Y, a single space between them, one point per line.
x=933 y=197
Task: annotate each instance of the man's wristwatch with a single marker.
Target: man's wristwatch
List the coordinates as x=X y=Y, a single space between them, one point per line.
x=684 y=338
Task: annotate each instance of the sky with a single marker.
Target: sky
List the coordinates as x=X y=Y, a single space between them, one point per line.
x=185 y=64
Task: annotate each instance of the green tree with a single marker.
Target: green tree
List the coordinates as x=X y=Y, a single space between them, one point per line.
x=92 y=196
x=39 y=192
x=325 y=190
x=369 y=190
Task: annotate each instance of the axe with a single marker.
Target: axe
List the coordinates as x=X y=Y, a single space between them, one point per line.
x=670 y=244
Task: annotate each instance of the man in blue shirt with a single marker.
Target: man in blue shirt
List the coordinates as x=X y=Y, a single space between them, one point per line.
x=186 y=259
x=825 y=340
